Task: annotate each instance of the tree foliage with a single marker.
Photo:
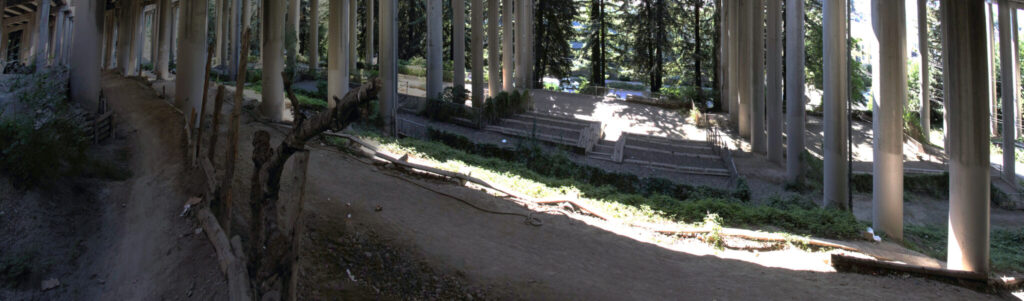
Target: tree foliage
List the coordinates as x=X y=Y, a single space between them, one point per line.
x=552 y=33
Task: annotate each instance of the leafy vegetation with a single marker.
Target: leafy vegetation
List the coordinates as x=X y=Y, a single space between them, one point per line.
x=1006 y=252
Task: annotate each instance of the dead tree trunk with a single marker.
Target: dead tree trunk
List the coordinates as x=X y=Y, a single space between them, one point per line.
x=269 y=247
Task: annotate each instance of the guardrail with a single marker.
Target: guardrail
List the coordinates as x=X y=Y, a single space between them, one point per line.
x=714 y=139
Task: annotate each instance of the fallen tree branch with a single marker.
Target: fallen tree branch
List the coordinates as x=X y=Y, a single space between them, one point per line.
x=231 y=265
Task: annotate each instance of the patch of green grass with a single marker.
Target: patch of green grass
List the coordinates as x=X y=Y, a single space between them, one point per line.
x=540 y=174
x=1006 y=252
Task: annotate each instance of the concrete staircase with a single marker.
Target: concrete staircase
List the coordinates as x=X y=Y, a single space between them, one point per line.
x=571 y=132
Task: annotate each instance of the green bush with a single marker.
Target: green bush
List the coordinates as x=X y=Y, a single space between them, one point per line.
x=451 y=104
x=46 y=143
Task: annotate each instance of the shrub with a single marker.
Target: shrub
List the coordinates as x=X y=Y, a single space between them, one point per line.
x=46 y=141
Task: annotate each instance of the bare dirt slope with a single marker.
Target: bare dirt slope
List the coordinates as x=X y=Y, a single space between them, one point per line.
x=153 y=253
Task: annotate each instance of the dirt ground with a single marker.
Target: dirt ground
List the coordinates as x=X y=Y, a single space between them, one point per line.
x=377 y=233
x=117 y=240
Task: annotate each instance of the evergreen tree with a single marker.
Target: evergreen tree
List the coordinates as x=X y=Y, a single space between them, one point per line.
x=596 y=37
x=552 y=33
x=650 y=25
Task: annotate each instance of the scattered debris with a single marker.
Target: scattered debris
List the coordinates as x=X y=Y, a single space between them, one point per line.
x=192 y=201
x=379 y=208
x=198 y=231
x=349 y=272
x=49 y=284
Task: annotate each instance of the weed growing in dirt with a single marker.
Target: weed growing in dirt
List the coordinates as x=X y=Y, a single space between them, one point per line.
x=713 y=223
x=537 y=173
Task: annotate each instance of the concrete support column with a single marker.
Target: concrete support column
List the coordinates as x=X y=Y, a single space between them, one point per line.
x=835 y=67
x=273 y=59
x=774 y=85
x=758 y=138
x=371 y=46
x=163 y=55
x=337 y=51
x=353 y=39
x=291 y=35
x=42 y=31
x=123 y=18
x=991 y=56
x=506 y=44
x=108 y=38
x=458 y=44
x=529 y=55
x=58 y=31
x=890 y=89
x=3 y=38
x=966 y=88
x=435 y=71
x=493 y=48
x=744 y=70
x=154 y=28
x=389 y=64
x=136 y=39
x=795 y=119
x=314 y=34
x=84 y=74
x=188 y=85
x=236 y=38
x=477 y=10
x=218 y=35
x=1007 y=57
x=735 y=61
x=925 y=75
x=519 y=41
x=175 y=16
x=723 y=55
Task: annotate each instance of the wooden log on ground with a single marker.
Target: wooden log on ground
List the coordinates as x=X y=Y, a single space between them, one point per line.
x=233 y=268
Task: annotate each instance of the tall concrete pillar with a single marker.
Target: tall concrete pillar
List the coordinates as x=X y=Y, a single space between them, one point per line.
x=314 y=34
x=506 y=44
x=3 y=37
x=458 y=43
x=273 y=59
x=108 y=37
x=291 y=35
x=175 y=16
x=745 y=76
x=353 y=38
x=84 y=74
x=530 y=46
x=890 y=95
x=123 y=36
x=435 y=72
x=163 y=56
x=774 y=85
x=835 y=67
x=136 y=39
x=476 y=8
x=58 y=30
x=218 y=35
x=389 y=64
x=519 y=41
x=371 y=46
x=493 y=48
x=736 y=12
x=723 y=55
x=991 y=56
x=337 y=51
x=1007 y=57
x=966 y=85
x=794 y=89
x=925 y=74
x=188 y=85
x=235 y=46
x=758 y=138
x=154 y=28
x=42 y=32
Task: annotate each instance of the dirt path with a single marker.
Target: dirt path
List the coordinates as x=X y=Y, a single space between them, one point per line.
x=152 y=253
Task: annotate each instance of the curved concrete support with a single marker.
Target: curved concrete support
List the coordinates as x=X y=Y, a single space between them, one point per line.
x=966 y=88
x=795 y=119
x=458 y=43
x=188 y=86
x=337 y=51
x=164 y=53
x=1007 y=57
x=890 y=89
x=506 y=44
x=493 y=48
x=758 y=138
x=435 y=73
x=85 y=52
x=835 y=67
x=774 y=86
x=273 y=59
x=477 y=10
